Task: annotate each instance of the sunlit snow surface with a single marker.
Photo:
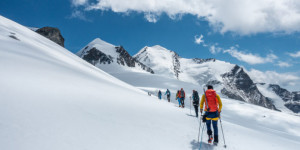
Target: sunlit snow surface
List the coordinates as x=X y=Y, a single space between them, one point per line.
x=51 y=99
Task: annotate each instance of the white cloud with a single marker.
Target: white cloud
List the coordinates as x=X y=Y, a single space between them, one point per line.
x=80 y=15
x=79 y=2
x=249 y=57
x=214 y=49
x=295 y=55
x=283 y=64
x=199 y=39
x=151 y=17
x=240 y=16
x=271 y=77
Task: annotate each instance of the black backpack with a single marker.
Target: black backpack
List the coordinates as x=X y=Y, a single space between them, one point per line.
x=196 y=98
x=182 y=93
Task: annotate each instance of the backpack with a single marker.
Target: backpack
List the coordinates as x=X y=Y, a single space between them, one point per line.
x=211 y=98
x=196 y=96
x=182 y=93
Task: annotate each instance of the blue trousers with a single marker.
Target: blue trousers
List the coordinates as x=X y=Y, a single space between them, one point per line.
x=182 y=101
x=179 y=101
x=215 y=126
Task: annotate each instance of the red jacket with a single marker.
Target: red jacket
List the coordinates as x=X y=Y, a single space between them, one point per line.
x=181 y=94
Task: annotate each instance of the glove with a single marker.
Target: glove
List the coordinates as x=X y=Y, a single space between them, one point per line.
x=201 y=110
x=204 y=118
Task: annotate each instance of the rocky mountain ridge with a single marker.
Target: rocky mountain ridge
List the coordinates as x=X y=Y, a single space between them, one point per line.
x=238 y=85
x=99 y=52
x=291 y=99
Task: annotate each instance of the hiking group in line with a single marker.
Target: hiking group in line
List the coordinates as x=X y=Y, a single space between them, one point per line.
x=159 y=94
x=212 y=109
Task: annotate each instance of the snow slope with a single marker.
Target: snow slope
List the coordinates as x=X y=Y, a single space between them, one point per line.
x=51 y=99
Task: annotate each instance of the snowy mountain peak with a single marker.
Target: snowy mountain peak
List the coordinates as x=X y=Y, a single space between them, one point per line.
x=99 y=49
x=155 y=50
x=99 y=53
x=98 y=41
x=158 y=47
x=160 y=59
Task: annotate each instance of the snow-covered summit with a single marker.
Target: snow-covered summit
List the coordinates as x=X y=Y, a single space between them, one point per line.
x=99 y=44
x=159 y=47
x=160 y=59
x=102 y=54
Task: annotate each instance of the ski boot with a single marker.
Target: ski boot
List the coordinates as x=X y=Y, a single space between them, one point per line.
x=216 y=140
x=210 y=138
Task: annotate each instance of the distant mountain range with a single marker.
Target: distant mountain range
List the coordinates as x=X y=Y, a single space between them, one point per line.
x=228 y=79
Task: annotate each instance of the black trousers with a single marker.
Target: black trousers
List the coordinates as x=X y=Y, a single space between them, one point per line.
x=182 y=101
x=196 y=109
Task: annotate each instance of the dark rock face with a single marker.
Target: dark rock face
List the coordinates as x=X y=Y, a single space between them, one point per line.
x=238 y=85
x=295 y=107
x=283 y=93
x=125 y=58
x=231 y=94
x=296 y=96
x=291 y=99
x=176 y=64
x=200 y=61
x=53 y=34
x=95 y=56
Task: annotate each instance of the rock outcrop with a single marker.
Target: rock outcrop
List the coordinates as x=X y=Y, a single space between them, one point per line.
x=53 y=34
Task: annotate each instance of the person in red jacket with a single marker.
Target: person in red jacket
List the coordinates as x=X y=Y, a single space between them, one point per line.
x=182 y=97
x=213 y=106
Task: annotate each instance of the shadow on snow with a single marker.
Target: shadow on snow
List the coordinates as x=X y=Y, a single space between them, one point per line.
x=204 y=146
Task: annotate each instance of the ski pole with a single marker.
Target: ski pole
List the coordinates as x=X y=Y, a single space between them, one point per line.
x=190 y=107
x=199 y=127
x=201 y=137
x=222 y=132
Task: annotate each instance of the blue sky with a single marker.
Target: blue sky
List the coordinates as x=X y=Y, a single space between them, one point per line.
x=266 y=43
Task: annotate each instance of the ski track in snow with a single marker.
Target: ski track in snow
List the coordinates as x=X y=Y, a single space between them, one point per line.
x=52 y=99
